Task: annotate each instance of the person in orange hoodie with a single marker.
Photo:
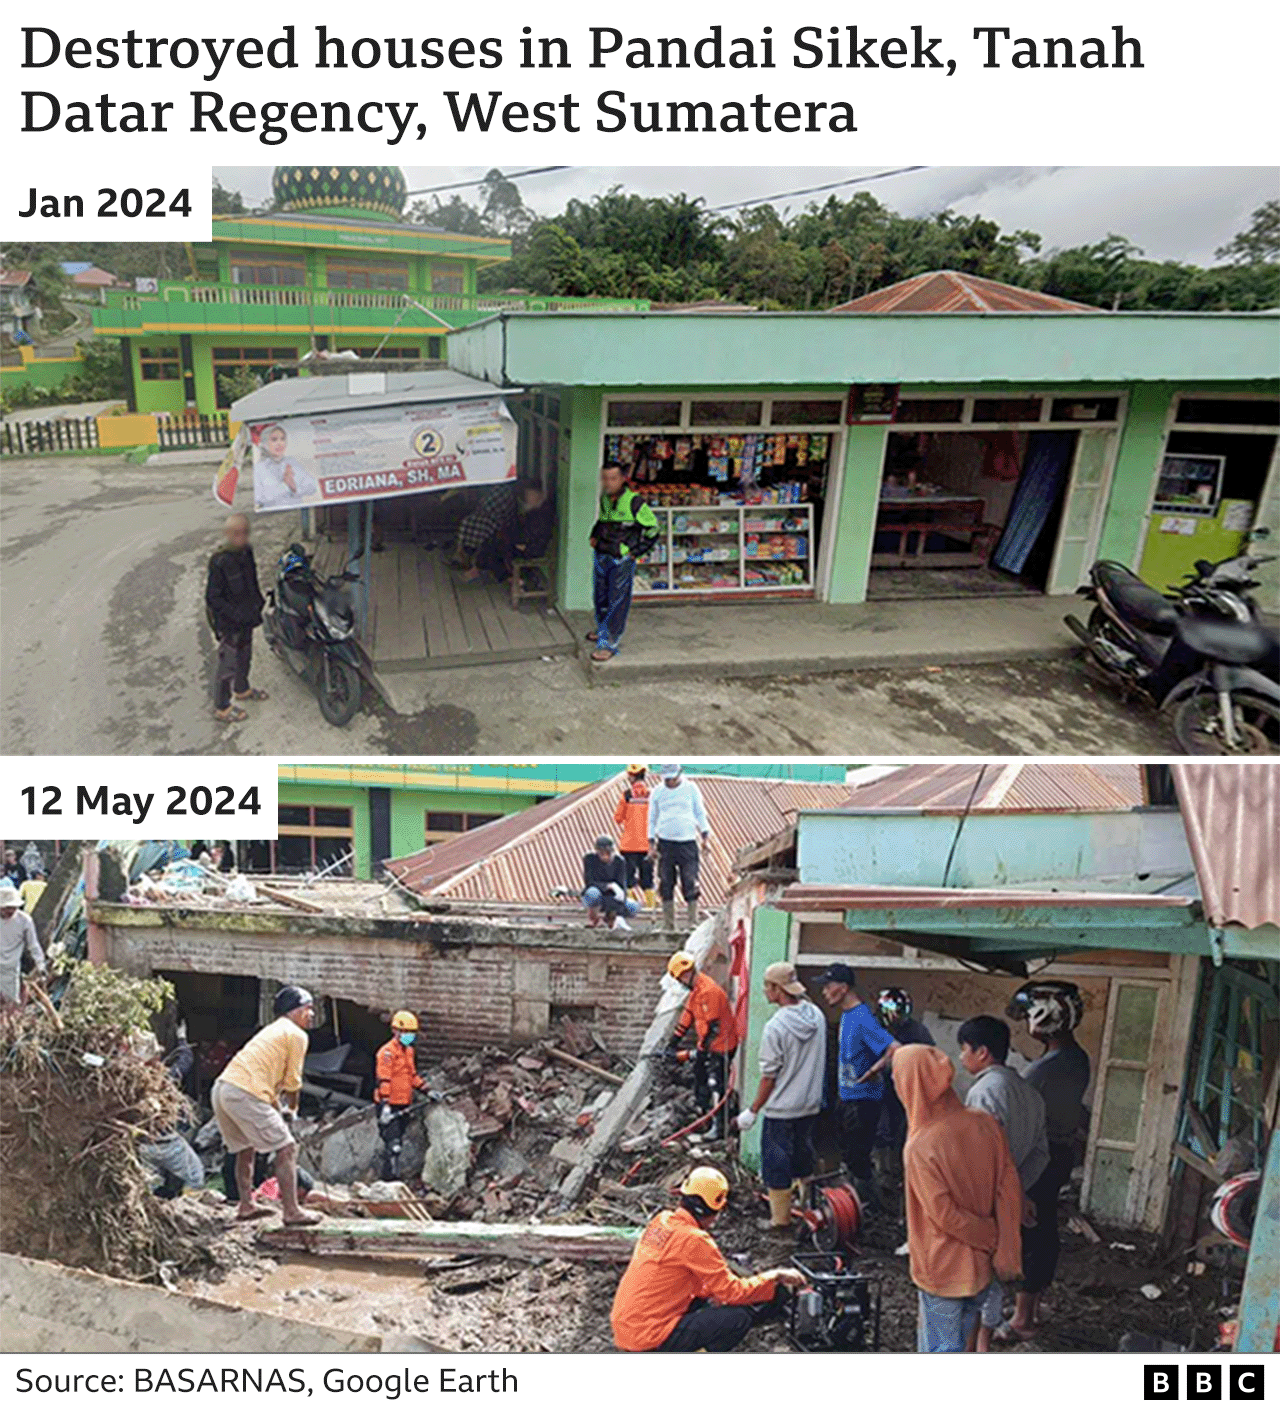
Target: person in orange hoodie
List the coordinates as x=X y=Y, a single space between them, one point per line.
x=708 y=1012
x=631 y=818
x=398 y=1080
x=678 y=1293
x=963 y=1197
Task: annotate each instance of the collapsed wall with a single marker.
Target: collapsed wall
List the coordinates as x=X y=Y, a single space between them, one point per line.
x=479 y=981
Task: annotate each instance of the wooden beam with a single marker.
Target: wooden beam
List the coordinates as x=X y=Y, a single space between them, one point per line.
x=602 y=1073
x=287 y=898
x=580 y=1243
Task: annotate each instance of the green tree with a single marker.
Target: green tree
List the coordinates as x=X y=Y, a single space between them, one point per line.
x=1259 y=242
x=226 y=202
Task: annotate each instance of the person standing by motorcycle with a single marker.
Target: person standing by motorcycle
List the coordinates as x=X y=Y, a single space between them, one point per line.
x=398 y=1080
x=233 y=604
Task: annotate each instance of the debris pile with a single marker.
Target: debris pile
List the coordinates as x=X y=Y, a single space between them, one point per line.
x=78 y=1095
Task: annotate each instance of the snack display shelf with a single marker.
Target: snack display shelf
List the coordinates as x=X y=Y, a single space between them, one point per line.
x=729 y=548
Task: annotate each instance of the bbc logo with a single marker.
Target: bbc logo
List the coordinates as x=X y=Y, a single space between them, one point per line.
x=1203 y=1382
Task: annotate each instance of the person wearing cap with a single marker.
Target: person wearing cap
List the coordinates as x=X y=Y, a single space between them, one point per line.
x=253 y=1095
x=677 y=828
x=793 y=1067
x=17 y=938
x=678 y=1293
x=865 y=1051
x=397 y=1081
x=631 y=818
x=604 y=886
x=708 y=1012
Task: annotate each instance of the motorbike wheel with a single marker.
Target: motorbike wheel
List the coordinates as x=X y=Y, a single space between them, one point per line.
x=1198 y=725
x=338 y=691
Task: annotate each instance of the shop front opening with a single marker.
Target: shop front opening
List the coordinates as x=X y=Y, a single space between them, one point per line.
x=1005 y=501
x=739 y=486
x=1212 y=484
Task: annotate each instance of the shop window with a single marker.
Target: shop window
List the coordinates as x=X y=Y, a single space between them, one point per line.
x=1006 y=409
x=373 y=276
x=447 y=281
x=644 y=413
x=261 y=356
x=312 y=839
x=726 y=413
x=805 y=413
x=442 y=826
x=1227 y=411
x=930 y=410
x=272 y=273
x=1085 y=409
x=160 y=364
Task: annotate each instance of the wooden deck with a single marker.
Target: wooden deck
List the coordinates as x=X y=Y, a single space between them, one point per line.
x=423 y=616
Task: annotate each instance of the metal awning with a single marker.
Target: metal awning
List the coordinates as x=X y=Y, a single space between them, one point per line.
x=361 y=390
x=1002 y=928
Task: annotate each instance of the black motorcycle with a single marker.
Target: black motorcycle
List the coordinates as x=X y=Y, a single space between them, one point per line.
x=1204 y=661
x=309 y=622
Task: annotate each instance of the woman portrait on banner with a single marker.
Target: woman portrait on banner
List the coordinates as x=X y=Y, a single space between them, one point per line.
x=279 y=481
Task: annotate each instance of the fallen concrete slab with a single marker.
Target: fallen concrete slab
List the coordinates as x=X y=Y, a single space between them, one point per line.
x=45 y=1307
x=579 y=1243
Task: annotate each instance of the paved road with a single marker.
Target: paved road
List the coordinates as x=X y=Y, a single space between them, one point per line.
x=105 y=650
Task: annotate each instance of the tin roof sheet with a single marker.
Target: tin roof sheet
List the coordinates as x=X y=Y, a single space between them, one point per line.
x=1031 y=787
x=951 y=291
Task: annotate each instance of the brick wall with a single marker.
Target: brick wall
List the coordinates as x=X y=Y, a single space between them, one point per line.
x=499 y=988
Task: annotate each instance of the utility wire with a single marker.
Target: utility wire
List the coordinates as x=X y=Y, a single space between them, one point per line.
x=508 y=176
x=813 y=190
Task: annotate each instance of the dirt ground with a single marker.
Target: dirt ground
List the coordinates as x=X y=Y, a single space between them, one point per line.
x=497 y=1305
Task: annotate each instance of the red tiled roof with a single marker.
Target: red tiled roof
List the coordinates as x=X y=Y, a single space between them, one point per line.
x=94 y=277
x=1016 y=787
x=523 y=856
x=14 y=278
x=948 y=291
x=1232 y=815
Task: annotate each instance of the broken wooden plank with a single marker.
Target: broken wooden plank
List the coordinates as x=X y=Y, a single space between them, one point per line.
x=583 y=1066
x=287 y=898
x=1197 y=1162
x=579 y=1243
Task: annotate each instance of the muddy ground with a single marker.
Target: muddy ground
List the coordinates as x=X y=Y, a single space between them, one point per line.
x=496 y=1305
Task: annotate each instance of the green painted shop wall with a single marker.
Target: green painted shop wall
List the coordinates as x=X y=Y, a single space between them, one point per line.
x=855 y=527
x=409 y=808
x=1141 y=441
x=155 y=396
x=357 y=799
x=46 y=373
x=576 y=495
x=770 y=942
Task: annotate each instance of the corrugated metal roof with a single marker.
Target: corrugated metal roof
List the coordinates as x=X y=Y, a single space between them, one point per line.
x=950 y=291
x=1015 y=787
x=1232 y=815
x=810 y=897
x=360 y=389
x=524 y=856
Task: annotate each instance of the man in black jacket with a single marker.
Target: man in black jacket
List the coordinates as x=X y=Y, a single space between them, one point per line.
x=604 y=886
x=233 y=601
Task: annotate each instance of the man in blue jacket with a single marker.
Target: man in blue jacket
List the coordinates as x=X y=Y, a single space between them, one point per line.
x=865 y=1051
x=677 y=825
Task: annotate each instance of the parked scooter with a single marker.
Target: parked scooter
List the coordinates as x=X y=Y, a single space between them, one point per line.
x=309 y=622
x=1202 y=658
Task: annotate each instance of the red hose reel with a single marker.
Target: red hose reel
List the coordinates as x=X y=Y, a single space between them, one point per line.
x=833 y=1216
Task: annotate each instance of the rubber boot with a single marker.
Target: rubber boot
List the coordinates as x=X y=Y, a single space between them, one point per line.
x=691 y=914
x=779 y=1211
x=669 y=914
x=650 y=899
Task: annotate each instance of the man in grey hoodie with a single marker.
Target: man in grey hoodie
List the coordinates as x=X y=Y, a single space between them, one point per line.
x=793 y=1058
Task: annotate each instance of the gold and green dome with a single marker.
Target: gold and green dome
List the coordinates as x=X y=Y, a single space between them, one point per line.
x=376 y=192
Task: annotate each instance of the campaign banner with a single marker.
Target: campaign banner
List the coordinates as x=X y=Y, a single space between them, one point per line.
x=379 y=452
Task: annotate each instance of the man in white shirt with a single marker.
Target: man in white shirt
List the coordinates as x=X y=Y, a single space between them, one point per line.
x=17 y=937
x=677 y=825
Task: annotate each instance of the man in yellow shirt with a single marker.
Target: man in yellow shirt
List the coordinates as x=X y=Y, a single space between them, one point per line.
x=32 y=889
x=255 y=1093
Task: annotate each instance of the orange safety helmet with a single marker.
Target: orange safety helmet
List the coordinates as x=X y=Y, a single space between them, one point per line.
x=680 y=963
x=404 y=1022
x=709 y=1185
x=637 y=768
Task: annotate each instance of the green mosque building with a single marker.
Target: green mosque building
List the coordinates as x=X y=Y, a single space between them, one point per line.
x=333 y=267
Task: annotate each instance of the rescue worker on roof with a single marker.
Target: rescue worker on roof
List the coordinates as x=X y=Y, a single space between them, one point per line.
x=631 y=818
x=398 y=1080
x=678 y=1293
x=708 y=1012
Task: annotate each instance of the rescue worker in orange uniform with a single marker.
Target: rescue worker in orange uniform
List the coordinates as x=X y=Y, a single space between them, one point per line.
x=398 y=1080
x=678 y=1293
x=631 y=818
x=708 y=1013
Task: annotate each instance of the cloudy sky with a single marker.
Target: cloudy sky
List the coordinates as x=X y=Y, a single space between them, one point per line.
x=1181 y=213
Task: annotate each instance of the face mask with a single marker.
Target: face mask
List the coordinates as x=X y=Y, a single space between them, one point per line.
x=408 y=1039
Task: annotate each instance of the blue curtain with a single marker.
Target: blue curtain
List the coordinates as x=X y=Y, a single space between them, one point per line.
x=1044 y=476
